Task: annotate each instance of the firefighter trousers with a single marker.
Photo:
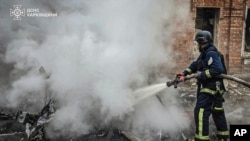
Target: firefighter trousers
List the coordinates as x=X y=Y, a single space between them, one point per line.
x=206 y=105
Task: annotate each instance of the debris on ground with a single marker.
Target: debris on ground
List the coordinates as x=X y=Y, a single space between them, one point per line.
x=23 y=126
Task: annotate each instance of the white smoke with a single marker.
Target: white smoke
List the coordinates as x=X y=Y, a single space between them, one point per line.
x=95 y=51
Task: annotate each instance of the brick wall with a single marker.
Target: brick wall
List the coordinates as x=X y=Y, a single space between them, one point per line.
x=184 y=45
x=229 y=36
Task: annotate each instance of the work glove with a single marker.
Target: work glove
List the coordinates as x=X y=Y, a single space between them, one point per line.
x=197 y=75
x=181 y=76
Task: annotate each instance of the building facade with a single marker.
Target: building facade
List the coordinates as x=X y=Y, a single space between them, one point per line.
x=229 y=23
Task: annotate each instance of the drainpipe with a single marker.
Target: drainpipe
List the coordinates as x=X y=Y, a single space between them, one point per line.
x=229 y=33
x=245 y=10
x=245 y=5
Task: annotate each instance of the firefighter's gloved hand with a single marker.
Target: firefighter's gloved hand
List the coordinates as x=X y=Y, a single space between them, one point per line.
x=181 y=76
x=198 y=75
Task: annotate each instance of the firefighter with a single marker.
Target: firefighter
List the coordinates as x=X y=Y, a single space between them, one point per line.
x=209 y=90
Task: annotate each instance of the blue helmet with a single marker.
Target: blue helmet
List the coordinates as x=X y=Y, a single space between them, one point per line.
x=203 y=37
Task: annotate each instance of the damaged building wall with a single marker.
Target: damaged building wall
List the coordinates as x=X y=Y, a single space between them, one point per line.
x=229 y=33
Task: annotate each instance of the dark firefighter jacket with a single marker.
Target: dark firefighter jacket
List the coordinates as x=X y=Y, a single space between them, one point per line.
x=210 y=65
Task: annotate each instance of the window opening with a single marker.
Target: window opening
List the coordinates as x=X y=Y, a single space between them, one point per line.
x=247 y=32
x=207 y=19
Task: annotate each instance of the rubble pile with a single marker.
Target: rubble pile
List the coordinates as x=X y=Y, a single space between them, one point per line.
x=23 y=126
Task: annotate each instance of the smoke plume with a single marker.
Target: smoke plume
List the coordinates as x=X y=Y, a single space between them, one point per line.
x=96 y=53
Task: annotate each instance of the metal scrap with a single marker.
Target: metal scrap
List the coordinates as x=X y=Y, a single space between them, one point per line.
x=31 y=125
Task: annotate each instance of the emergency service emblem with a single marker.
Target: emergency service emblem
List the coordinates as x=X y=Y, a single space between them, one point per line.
x=17 y=12
x=210 y=61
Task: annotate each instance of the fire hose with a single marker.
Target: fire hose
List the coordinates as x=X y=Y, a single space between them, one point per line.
x=223 y=76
